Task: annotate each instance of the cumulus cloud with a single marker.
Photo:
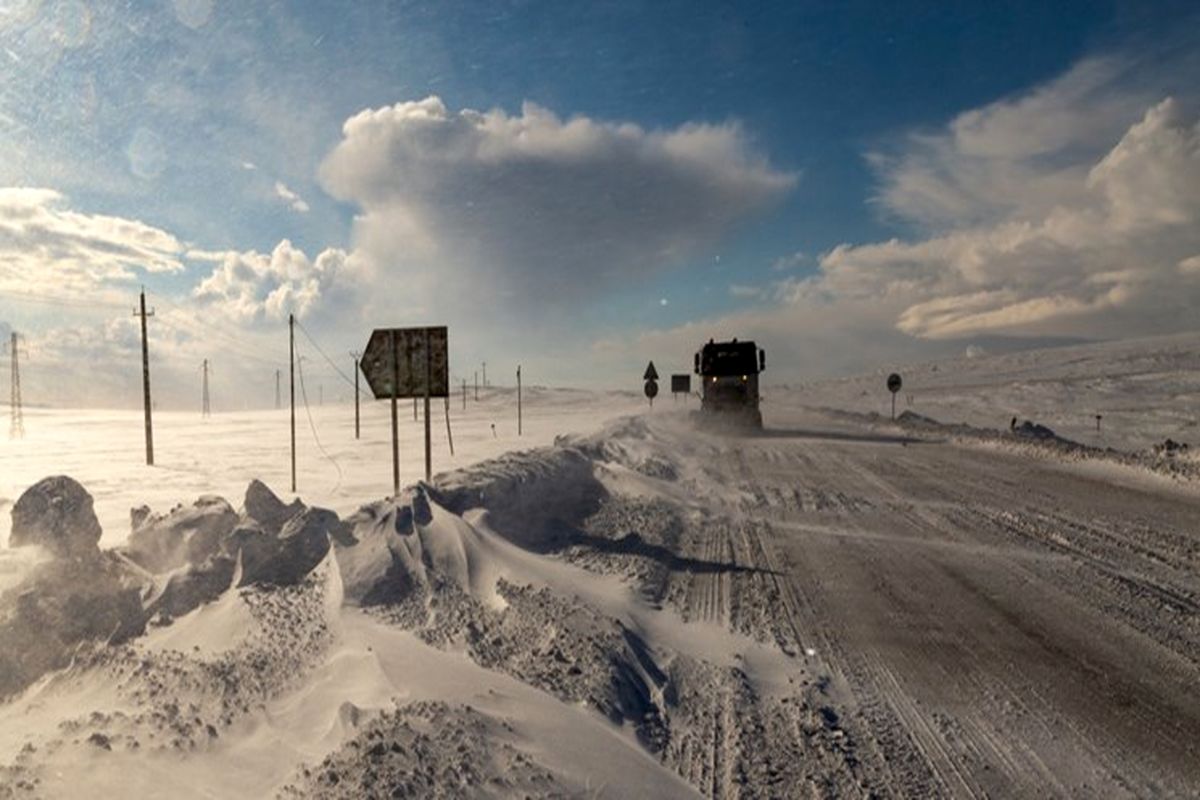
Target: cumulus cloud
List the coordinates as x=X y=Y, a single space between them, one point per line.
x=1071 y=211
x=1102 y=261
x=537 y=209
x=251 y=287
x=1018 y=157
x=46 y=246
x=294 y=201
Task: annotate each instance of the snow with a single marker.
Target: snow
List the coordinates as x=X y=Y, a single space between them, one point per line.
x=610 y=597
x=1145 y=390
x=194 y=456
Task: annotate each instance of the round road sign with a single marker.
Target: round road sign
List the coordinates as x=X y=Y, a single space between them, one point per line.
x=651 y=389
x=894 y=383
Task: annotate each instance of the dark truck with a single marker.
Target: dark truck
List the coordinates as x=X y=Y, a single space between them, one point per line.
x=729 y=382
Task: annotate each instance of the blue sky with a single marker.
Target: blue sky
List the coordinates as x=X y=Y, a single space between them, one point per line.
x=864 y=166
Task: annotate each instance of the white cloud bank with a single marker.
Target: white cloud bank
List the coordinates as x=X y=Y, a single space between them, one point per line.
x=47 y=247
x=535 y=209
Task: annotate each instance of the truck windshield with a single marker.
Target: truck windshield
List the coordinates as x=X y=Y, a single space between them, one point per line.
x=736 y=359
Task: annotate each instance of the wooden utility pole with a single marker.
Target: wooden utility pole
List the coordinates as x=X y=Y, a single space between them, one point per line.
x=292 y=377
x=355 y=356
x=428 y=389
x=395 y=430
x=16 y=429
x=476 y=386
x=485 y=374
x=205 y=406
x=146 y=378
x=449 y=434
x=518 y=399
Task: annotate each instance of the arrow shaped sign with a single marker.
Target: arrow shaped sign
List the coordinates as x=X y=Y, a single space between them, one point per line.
x=651 y=373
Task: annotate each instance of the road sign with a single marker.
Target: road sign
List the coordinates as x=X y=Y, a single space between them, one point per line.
x=651 y=389
x=411 y=366
x=407 y=362
x=681 y=384
x=894 y=383
x=651 y=373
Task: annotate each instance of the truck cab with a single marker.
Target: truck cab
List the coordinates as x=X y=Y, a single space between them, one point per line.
x=729 y=381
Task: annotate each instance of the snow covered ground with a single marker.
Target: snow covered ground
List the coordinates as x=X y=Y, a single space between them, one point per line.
x=220 y=454
x=1146 y=391
x=620 y=605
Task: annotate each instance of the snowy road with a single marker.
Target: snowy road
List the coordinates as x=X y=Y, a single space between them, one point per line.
x=992 y=624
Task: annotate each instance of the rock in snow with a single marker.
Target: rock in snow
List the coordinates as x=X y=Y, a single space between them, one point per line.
x=56 y=514
x=264 y=507
x=184 y=536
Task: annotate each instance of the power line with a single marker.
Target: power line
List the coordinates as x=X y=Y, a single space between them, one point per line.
x=181 y=326
x=308 y=336
x=58 y=300
x=232 y=343
x=312 y=425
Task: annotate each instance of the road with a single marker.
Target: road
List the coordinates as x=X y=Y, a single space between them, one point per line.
x=991 y=624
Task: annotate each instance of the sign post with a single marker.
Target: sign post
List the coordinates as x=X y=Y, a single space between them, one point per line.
x=651 y=378
x=407 y=362
x=893 y=384
x=681 y=385
x=518 y=399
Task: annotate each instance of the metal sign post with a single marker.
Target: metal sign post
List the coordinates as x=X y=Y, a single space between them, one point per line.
x=650 y=376
x=893 y=384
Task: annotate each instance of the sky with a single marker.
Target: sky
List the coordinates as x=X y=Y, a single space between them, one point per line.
x=579 y=188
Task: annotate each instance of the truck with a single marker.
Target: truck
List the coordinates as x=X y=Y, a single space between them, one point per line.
x=729 y=382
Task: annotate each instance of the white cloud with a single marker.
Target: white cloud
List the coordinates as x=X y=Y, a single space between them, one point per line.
x=47 y=247
x=790 y=262
x=1018 y=157
x=1047 y=215
x=1110 y=246
x=294 y=201
x=537 y=210
x=250 y=287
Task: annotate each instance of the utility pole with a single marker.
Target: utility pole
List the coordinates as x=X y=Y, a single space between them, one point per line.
x=206 y=408
x=146 y=378
x=518 y=399
x=278 y=403
x=428 y=388
x=395 y=431
x=292 y=368
x=464 y=394
x=476 y=386
x=485 y=374
x=355 y=355
x=17 y=428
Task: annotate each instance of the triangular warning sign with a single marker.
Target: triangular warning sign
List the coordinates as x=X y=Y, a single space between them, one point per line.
x=651 y=373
